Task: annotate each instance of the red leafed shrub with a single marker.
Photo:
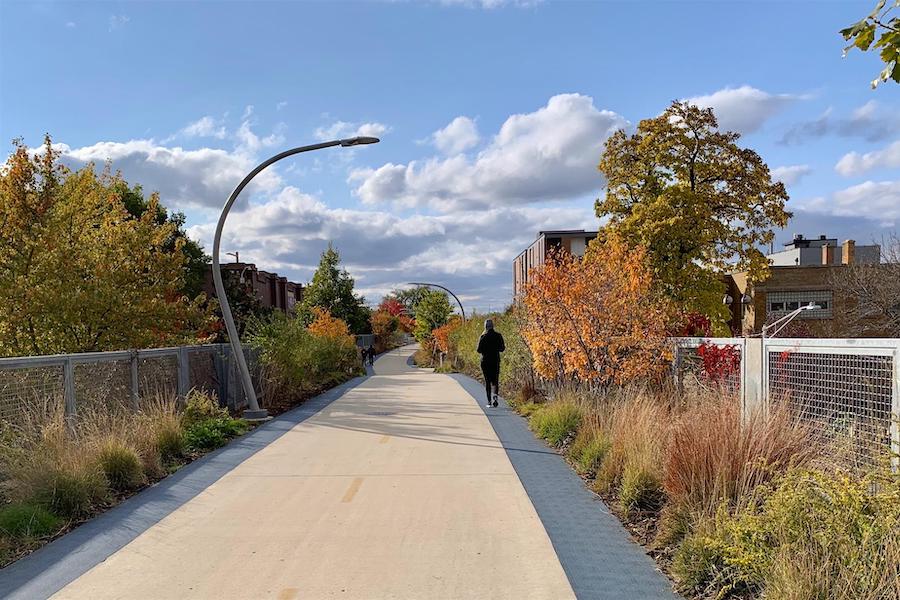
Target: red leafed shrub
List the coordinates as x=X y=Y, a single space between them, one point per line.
x=719 y=362
x=696 y=325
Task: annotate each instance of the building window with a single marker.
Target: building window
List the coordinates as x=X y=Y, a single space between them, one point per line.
x=782 y=302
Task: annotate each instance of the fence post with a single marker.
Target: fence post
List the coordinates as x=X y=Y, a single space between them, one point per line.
x=184 y=375
x=69 y=390
x=135 y=382
x=754 y=395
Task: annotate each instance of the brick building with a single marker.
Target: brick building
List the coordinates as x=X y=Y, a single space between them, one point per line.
x=272 y=290
x=572 y=240
x=799 y=274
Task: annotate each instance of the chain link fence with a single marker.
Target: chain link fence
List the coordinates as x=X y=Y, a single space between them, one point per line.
x=80 y=382
x=848 y=390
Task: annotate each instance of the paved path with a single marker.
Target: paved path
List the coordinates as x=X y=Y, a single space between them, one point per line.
x=393 y=486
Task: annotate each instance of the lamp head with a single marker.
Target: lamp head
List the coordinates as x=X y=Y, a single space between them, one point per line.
x=746 y=299
x=727 y=300
x=359 y=141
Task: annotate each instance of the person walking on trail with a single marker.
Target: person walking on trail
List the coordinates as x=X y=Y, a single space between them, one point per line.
x=490 y=345
x=371 y=353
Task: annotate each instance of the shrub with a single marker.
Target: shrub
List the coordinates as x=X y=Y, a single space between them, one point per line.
x=295 y=361
x=815 y=534
x=213 y=433
x=69 y=490
x=714 y=456
x=201 y=406
x=588 y=449
x=58 y=471
x=641 y=485
x=637 y=427
x=556 y=421
x=169 y=441
x=121 y=465
x=27 y=521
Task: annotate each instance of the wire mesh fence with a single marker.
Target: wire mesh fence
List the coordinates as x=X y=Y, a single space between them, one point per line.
x=709 y=363
x=848 y=390
x=82 y=382
x=847 y=394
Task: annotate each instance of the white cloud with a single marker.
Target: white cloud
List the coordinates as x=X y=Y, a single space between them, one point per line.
x=791 y=174
x=549 y=154
x=744 y=109
x=344 y=129
x=854 y=163
x=470 y=251
x=204 y=127
x=281 y=105
x=249 y=142
x=71 y=24
x=875 y=200
x=118 y=21
x=460 y=135
x=184 y=178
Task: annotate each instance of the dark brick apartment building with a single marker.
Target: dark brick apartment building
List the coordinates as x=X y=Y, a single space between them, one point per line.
x=272 y=290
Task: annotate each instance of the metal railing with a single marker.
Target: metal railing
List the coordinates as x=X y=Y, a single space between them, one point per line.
x=128 y=378
x=847 y=389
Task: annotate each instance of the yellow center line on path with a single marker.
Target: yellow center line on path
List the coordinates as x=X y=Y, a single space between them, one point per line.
x=384 y=439
x=351 y=491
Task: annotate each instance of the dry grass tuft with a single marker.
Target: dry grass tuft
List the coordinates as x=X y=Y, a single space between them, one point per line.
x=713 y=457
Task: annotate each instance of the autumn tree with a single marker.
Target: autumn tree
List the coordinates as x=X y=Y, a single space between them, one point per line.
x=432 y=311
x=597 y=318
x=332 y=289
x=327 y=326
x=442 y=334
x=878 y=24
x=410 y=297
x=392 y=306
x=699 y=203
x=80 y=273
x=196 y=261
x=384 y=326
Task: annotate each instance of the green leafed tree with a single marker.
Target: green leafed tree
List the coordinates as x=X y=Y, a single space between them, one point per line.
x=409 y=297
x=432 y=311
x=196 y=261
x=332 y=289
x=82 y=273
x=698 y=202
x=880 y=32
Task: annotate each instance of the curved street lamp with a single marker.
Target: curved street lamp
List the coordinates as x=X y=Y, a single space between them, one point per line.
x=461 y=309
x=254 y=412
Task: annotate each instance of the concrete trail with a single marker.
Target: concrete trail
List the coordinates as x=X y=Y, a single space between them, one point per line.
x=398 y=488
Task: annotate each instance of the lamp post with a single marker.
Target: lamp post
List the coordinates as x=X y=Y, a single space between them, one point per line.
x=461 y=309
x=783 y=321
x=254 y=412
x=746 y=301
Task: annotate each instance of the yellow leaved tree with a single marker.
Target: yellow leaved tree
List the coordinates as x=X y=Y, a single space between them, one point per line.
x=79 y=273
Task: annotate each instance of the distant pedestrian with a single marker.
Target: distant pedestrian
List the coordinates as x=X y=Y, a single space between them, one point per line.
x=371 y=353
x=490 y=345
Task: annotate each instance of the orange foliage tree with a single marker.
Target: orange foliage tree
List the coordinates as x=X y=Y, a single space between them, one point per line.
x=324 y=325
x=384 y=325
x=597 y=318
x=441 y=335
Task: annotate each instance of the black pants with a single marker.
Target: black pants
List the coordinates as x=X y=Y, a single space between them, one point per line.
x=491 y=372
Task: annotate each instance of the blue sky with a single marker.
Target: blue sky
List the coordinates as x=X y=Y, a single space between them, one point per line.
x=492 y=116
